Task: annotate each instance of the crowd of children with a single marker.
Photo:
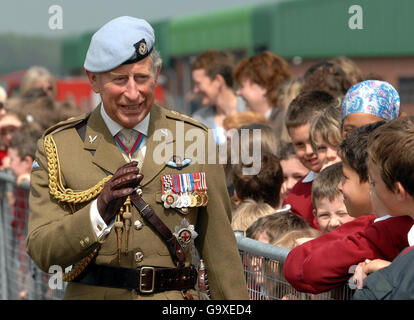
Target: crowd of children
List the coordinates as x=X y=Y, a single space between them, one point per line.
x=23 y=118
x=335 y=190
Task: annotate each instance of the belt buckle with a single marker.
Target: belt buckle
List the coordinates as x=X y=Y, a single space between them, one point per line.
x=140 y=279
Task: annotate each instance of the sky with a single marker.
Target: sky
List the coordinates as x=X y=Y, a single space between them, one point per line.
x=39 y=17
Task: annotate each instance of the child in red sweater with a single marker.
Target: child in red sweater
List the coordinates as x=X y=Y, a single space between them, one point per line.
x=390 y=167
x=324 y=263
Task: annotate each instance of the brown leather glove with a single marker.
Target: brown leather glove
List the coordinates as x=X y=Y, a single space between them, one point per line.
x=116 y=190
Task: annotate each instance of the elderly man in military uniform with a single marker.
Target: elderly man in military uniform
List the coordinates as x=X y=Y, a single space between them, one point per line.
x=129 y=226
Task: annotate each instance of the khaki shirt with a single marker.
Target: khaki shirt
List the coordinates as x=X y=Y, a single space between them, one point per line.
x=56 y=236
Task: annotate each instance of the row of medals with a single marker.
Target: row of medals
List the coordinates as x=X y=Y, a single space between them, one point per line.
x=183 y=200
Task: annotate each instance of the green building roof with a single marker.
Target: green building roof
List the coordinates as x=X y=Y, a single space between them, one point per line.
x=230 y=29
x=305 y=28
x=320 y=28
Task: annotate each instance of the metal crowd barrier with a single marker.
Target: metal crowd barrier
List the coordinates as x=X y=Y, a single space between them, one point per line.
x=20 y=278
x=263 y=270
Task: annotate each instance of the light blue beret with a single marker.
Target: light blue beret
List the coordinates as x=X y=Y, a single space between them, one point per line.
x=120 y=41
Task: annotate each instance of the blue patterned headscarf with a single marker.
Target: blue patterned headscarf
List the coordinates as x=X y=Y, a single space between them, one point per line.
x=374 y=97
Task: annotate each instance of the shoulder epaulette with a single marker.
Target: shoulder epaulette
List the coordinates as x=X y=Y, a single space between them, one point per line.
x=183 y=117
x=69 y=123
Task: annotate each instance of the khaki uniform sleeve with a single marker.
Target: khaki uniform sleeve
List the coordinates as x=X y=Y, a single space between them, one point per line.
x=55 y=235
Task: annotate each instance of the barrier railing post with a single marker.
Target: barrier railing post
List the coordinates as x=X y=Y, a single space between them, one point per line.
x=20 y=278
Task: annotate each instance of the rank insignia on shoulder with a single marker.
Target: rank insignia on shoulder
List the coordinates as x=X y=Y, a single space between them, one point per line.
x=184 y=190
x=35 y=165
x=177 y=163
x=92 y=139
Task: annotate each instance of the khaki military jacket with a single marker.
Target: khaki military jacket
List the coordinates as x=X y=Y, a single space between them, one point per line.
x=59 y=235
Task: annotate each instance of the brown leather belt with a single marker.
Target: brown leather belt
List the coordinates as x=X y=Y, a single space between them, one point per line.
x=144 y=279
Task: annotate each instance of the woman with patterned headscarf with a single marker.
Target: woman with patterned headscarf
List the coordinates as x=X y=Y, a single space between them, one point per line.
x=367 y=102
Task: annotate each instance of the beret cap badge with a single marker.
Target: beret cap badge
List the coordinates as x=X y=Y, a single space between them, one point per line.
x=142 y=47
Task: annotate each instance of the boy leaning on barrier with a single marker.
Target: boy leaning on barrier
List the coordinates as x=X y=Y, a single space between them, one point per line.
x=326 y=262
x=391 y=175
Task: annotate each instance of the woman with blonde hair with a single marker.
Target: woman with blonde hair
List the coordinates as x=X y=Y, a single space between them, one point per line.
x=38 y=77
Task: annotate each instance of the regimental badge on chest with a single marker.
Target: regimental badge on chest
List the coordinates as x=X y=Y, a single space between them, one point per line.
x=185 y=234
x=184 y=190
